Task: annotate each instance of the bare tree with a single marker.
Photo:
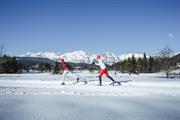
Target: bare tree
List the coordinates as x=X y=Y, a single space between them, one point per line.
x=165 y=54
x=2 y=49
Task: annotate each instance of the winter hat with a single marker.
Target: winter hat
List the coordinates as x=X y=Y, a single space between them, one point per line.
x=62 y=59
x=98 y=57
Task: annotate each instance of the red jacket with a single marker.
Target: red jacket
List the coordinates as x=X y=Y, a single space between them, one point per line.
x=65 y=67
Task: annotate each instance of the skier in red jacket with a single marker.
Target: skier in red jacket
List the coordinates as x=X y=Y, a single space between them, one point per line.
x=103 y=70
x=66 y=70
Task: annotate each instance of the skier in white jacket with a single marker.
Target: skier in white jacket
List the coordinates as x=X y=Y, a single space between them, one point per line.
x=103 y=70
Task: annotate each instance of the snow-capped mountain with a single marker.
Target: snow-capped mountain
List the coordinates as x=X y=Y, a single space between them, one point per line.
x=81 y=56
x=126 y=56
x=77 y=57
x=49 y=55
x=176 y=53
x=110 y=58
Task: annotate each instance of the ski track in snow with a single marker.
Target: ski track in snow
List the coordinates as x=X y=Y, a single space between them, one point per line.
x=47 y=84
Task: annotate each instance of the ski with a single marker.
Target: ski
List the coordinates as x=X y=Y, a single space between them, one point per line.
x=78 y=81
x=119 y=82
x=84 y=81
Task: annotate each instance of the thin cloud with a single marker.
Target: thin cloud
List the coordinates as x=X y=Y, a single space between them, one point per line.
x=171 y=35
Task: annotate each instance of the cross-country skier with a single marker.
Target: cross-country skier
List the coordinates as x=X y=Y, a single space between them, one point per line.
x=103 y=70
x=66 y=70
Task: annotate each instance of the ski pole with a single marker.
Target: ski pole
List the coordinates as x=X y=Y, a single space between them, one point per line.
x=80 y=76
x=120 y=78
x=85 y=80
x=115 y=75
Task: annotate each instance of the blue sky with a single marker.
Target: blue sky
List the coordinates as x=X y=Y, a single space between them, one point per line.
x=118 y=26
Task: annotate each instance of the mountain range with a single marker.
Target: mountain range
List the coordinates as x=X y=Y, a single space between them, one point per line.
x=81 y=56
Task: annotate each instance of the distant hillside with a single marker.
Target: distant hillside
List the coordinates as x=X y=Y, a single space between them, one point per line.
x=175 y=59
x=33 y=60
x=38 y=60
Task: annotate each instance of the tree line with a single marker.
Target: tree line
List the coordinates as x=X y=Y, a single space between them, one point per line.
x=8 y=64
x=11 y=65
x=138 y=65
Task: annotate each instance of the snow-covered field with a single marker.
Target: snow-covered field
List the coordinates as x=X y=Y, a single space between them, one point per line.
x=68 y=107
x=35 y=84
x=41 y=97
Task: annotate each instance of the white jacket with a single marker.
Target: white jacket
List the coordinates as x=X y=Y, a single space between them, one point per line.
x=101 y=64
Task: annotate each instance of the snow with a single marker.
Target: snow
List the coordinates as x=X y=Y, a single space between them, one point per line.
x=63 y=107
x=49 y=55
x=141 y=85
x=77 y=57
x=41 y=97
x=81 y=56
x=129 y=55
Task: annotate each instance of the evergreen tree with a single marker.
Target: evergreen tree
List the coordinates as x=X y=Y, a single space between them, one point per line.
x=157 y=64
x=44 y=67
x=140 y=65
x=151 y=63
x=133 y=65
x=128 y=65
x=122 y=66
x=8 y=64
x=145 y=64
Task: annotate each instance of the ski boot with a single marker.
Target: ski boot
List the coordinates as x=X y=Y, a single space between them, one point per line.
x=100 y=81
x=63 y=83
x=100 y=84
x=77 y=79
